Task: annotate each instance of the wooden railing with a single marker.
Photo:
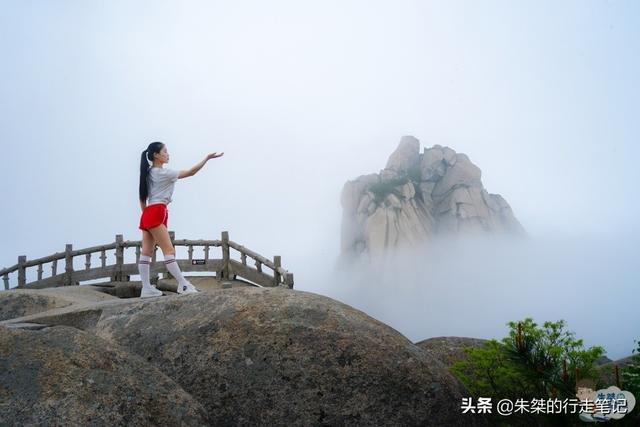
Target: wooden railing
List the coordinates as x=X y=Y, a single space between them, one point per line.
x=225 y=267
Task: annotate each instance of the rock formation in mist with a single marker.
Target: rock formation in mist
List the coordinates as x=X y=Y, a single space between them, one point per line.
x=418 y=196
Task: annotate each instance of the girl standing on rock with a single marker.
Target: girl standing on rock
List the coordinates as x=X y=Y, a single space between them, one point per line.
x=156 y=189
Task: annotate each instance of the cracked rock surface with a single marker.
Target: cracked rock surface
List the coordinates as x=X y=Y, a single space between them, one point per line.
x=61 y=375
x=240 y=356
x=419 y=196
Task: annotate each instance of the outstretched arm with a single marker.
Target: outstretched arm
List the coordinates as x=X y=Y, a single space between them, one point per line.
x=198 y=166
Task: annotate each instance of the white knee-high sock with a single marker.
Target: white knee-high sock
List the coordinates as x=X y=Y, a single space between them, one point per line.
x=174 y=269
x=144 y=265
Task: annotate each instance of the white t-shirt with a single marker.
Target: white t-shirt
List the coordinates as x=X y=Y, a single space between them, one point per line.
x=160 y=183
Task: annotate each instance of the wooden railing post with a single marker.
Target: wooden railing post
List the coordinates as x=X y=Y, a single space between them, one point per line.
x=68 y=265
x=22 y=274
x=277 y=262
x=154 y=257
x=138 y=249
x=288 y=280
x=225 y=255
x=225 y=268
x=119 y=258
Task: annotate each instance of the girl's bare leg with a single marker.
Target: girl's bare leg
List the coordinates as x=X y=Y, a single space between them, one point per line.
x=161 y=237
x=148 y=243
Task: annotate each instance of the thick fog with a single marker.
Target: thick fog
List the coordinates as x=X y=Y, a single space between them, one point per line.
x=543 y=98
x=474 y=286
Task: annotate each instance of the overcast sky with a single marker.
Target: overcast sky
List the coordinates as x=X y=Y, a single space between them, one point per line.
x=301 y=96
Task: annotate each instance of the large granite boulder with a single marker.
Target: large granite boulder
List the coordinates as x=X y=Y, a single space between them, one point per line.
x=256 y=356
x=64 y=376
x=449 y=350
x=23 y=303
x=405 y=158
x=417 y=197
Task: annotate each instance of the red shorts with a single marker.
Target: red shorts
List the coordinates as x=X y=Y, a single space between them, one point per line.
x=154 y=215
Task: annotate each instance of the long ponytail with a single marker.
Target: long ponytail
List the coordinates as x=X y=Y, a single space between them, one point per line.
x=145 y=158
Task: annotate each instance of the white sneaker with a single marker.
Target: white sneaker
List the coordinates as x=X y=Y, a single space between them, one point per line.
x=150 y=291
x=187 y=288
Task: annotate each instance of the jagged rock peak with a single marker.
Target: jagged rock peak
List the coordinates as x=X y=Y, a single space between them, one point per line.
x=418 y=196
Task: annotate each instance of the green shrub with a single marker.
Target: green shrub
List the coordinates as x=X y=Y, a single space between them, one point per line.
x=631 y=374
x=415 y=174
x=381 y=190
x=531 y=362
x=536 y=361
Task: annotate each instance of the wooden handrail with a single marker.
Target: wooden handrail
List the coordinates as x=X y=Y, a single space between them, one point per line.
x=8 y=270
x=93 y=249
x=252 y=254
x=225 y=268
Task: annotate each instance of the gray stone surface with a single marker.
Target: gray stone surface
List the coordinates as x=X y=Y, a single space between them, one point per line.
x=239 y=356
x=17 y=304
x=417 y=197
x=449 y=350
x=277 y=356
x=255 y=356
x=406 y=155
x=61 y=376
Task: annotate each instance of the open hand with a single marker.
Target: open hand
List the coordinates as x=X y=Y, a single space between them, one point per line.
x=214 y=155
